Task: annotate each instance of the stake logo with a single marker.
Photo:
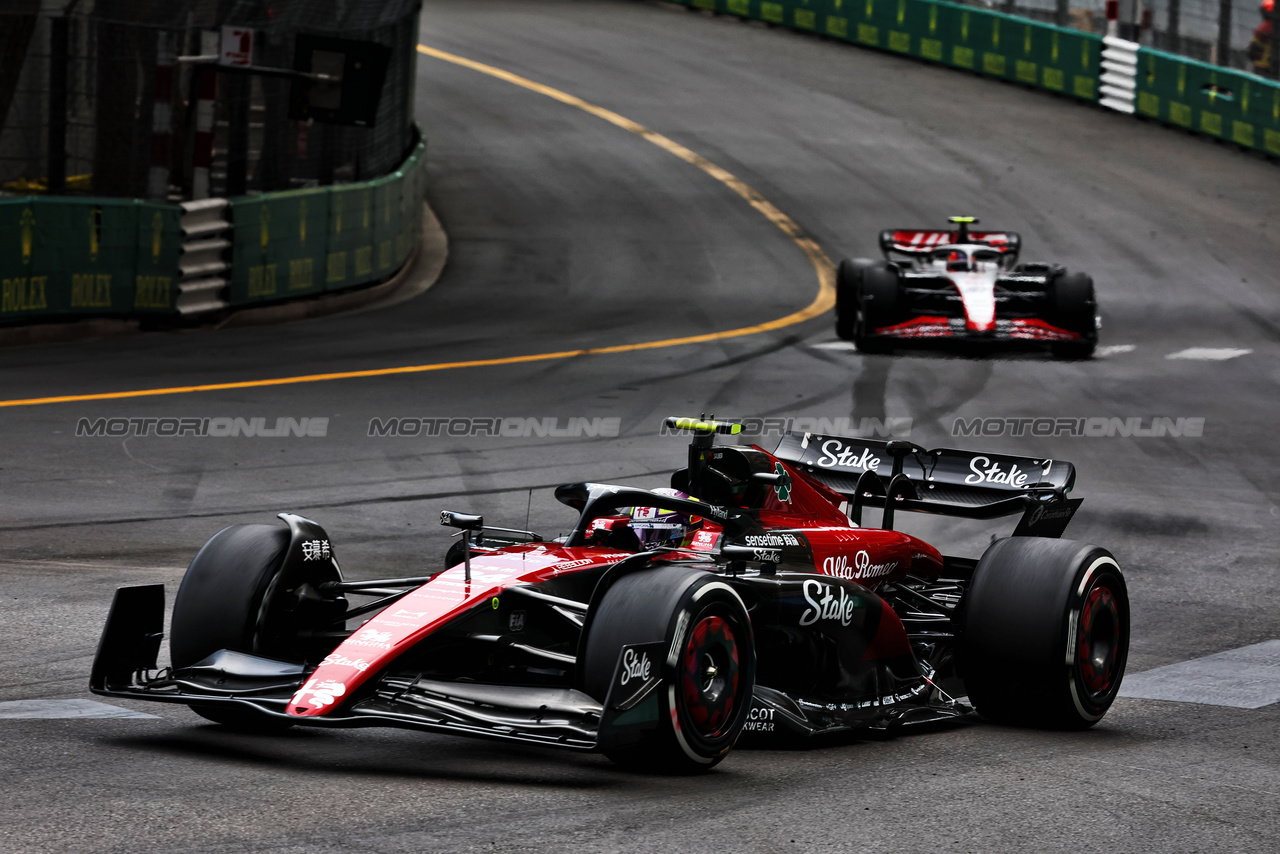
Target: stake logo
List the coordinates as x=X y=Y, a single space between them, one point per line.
x=342 y=661
x=836 y=455
x=635 y=666
x=825 y=604
x=994 y=474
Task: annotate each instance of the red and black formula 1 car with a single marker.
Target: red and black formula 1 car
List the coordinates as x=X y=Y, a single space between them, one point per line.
x=963 y=286
x=778 y=613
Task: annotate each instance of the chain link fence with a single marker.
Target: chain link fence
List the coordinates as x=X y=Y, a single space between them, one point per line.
x=1220 y=32
x=104 y=97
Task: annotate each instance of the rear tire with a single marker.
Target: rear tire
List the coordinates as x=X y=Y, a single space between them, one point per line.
x=1075 y=309
x=235 y=596
x=705 y=698
x=1045 y=633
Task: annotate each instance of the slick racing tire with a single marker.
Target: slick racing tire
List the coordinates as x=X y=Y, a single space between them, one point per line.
x=1045 y=633
x=236 y=596
x=879 y=294
x=704 y=698
x=848 y=280
x=1075 y=309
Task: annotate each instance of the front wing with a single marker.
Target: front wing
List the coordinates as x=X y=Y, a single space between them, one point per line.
x=1027 y=329
x=126 y=667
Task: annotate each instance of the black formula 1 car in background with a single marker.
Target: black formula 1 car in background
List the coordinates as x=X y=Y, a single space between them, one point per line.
x=776 y=611
x=963 y=286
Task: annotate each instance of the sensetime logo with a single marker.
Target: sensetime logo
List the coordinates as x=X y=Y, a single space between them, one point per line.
x=223 y=427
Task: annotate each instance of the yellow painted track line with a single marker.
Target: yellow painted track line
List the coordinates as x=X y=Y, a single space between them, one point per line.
x=821 y=264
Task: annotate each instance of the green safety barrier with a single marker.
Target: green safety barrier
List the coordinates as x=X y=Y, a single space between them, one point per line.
x=155 y=273
x=1042 y=55
x=305 y=242
x=63 y=257
x=1231 y=105
x=99 y=257
x=279 y=245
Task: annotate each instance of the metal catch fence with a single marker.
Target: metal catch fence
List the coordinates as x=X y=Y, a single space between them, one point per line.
x=1229 y=33
x=135 y=98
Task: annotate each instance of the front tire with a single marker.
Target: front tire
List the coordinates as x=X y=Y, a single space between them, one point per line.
x=878 y=306
x=236 y=595
x=1075 y=309
x=1045 y=633
x=848 y=280
x=705 y=697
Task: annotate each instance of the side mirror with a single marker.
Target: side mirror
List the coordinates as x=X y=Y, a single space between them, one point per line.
x=466 y=523
x=461 y=521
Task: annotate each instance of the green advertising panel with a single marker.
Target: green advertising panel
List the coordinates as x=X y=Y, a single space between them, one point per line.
x=300 y=239
x=23 y=285
x=975 y=39
x=159 y=245
x=350 y=237
x=253 y=276
x=1231 y=105
x=280 y=245
x=88 y=248
x=72 y=256
x=413 y=192
x=101 y=257
x=389 y=222
x=308 y=241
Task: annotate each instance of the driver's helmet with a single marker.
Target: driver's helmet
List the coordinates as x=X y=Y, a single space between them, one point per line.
x=656 y=527
x=958 y=261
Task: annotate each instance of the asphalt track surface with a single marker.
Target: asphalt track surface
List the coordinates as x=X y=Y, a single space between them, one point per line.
x=567 y=232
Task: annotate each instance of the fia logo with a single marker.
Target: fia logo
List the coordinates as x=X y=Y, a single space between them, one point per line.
x=516 y=621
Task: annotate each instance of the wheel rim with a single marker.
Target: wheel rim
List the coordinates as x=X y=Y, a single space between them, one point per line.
x=1098 y=640
x=710 y=676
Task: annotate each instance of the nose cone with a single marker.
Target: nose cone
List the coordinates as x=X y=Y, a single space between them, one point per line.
x=977 y=290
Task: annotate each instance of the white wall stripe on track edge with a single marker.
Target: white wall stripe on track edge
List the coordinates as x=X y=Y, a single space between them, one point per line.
x=1113 y=349
x=1244 y=678
x=1208 y=354
x=53 y=709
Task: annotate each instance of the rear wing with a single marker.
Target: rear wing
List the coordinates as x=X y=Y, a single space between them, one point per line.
x=910 y=241
x=900 y=475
